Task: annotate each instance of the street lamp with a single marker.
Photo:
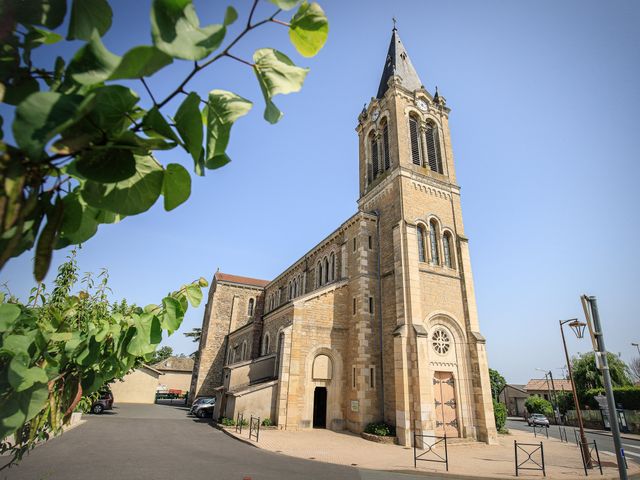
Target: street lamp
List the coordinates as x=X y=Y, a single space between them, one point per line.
x=637 y=346
x=553 y=397
x=578 y=328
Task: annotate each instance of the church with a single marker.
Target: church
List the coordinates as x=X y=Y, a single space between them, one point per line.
x=378 y=321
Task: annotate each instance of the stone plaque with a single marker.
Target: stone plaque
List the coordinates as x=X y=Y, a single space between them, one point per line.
x=355 y=405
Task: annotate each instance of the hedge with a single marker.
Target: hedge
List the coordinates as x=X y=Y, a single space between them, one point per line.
x=500 y=415
x=629 y=397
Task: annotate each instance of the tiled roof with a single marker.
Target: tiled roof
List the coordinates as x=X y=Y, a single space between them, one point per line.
x=225 y=277
x=175 y=363
x=537 y=384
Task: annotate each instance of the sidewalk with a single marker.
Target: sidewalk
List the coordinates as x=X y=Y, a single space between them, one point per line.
x=470 y=459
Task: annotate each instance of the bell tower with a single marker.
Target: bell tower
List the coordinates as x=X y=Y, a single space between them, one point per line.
x=435 y=370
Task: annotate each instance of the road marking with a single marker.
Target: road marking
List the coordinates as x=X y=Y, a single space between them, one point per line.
x=633 y=454
x=626 y=445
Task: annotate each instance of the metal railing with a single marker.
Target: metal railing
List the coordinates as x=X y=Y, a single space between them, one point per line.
x=563 y=434
x=540 y=429
x=254 y=427
x=429 y=450
x=239 y=422
x=591 y=449
x=530 y=450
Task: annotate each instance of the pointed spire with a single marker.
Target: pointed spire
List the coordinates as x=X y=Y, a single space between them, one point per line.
x=398 y=63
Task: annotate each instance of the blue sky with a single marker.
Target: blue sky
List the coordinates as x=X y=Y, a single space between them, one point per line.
x=544 y=99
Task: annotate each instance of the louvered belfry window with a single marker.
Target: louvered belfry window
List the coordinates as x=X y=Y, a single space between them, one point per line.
x=433 y=148
x=446 y=249
x=433 y=235
x=374 y=155
x=421 y=253
x=385 y=146
x=415 y=141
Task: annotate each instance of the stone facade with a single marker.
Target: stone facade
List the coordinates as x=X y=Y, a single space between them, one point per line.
x=378 y=322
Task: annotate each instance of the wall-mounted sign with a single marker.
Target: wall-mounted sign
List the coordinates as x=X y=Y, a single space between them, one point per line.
x=355 y=405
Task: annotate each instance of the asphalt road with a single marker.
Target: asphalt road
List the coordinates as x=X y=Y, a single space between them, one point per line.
x=603 y=441
x=160 y=442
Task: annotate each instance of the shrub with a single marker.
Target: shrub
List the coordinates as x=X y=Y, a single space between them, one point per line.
x=228 y=422
x=244 y=422
x=381 y=429
x=267 y=422
x=537 y=404
x=629 y=397
x=500 y=415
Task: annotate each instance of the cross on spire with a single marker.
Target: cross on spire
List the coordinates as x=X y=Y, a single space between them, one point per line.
x=394 y=22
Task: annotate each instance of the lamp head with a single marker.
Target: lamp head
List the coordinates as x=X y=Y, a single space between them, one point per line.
x=578 y=327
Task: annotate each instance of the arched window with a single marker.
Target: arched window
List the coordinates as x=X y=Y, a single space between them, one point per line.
x=332 y=266
x=265 y=344
x=421 y=246
x=415 y=140
x=243 y=351
x=447 y=249
x=290 y=290
x=433 y=148
x=250 y=307
x=433 y=235
x=319 y=274
x=373 y=145
x=326 y=270
x=385 y=146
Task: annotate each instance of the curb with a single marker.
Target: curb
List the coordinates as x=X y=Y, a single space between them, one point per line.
x=242 y=440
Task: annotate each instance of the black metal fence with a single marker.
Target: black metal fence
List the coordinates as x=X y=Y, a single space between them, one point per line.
x=254 y=427
x=540 y=429
x=592 y=451
x=429 y=454
x=563 y=434
x=532 y=452
x=239 y=422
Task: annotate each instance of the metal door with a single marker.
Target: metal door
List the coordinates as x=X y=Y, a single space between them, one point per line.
x=445 y=404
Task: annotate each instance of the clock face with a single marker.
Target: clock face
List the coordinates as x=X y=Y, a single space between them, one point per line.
x=422 y=105
x=375 y=115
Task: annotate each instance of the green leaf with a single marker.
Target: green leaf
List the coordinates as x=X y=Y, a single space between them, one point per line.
x=21 y=377
x=189 y=125
x=16 y=344
x=107 y=165
x=224 y=108
x=80 y=221
x=131 y=196
x=175 y=29
x=176 y=186
x=140 y=62
x=148 y=334
x=19 y=407
x=154 y=124
x=109 y=107
x=61 y=336
x=40 y=36
x=88 y=355
x=87 y=16
x=230 y=16
x=173 y=314
x=194 y=295
x=47 y=240
x=93 y=63
x=9 y=313
x=276 y=74
x=21 y=88
x=285 y=4
x=48 y=13
x=40 y=117
x=309 y=29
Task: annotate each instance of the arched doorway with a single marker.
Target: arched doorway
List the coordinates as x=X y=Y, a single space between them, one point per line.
x=320 y=407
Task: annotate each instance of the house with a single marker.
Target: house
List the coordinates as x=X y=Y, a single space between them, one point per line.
x=177 y=373
x=137 y=386
x=514 y=396
x=544 y=388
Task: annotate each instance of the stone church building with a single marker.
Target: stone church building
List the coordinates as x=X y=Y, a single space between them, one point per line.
x=378 y=321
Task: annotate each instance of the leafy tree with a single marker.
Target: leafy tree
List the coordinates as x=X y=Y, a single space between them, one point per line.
x=194 y=334
x=500 y=415
x=497 y=383
x=565 y=401
x=61 y=347
x=635 y=368
x=536 y=404
x=161 y=354
x=587 y=376
x=83 y=142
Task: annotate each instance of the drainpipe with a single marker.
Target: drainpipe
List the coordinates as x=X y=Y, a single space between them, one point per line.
x=377 y=214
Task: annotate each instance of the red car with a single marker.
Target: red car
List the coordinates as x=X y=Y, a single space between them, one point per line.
x=105 y=402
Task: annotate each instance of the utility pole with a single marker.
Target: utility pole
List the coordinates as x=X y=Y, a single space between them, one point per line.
x=590 y=306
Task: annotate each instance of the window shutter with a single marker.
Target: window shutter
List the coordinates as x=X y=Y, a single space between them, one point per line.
x=433 y=148
x=421 y=255
x=374 y=156
x=446 y=245
x=385 y=145
x=415 y=141
x=435 y=254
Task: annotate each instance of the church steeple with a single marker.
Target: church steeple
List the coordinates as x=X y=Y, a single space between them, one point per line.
x=398 y=63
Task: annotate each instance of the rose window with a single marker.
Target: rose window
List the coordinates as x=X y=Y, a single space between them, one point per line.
x=441 y=341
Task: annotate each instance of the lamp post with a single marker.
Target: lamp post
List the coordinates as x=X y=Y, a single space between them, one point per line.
x=637 y=346
x=551 y=389
x=590 y=307
x=578 y=328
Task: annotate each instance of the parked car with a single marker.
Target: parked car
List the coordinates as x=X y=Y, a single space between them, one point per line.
x=205 y=408
x=105 y=402
x=538 y=419
x=198 y=401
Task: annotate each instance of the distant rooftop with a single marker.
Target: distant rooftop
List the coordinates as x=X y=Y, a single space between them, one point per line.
x=536 y=384
x=175 y=363
x=226 y=277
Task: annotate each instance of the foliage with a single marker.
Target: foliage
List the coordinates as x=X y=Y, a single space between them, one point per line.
x=267 y=422
x=194 y=334
x=161 y=354
x=84 y=143
x=635 y=368
x=565 y=401
x=500 y=415
x=244 y=422
x=61 y=346
x=586 y=375
x=382 y=429
x=628 y=396
x=536 y=404
x=228 y=422
x=497 y=383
